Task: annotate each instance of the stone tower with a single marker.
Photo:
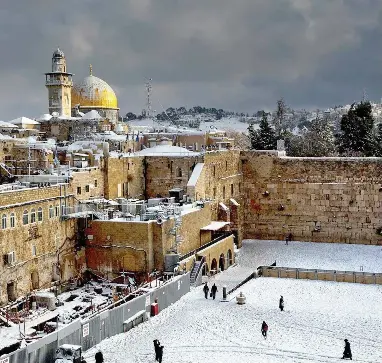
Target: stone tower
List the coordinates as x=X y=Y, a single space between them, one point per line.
x=59 y=84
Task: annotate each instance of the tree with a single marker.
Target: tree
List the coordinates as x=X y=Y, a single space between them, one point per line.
x=241 y=140
x=357 y=131
x=264 y=138
x=319 y=140
x=131 y=116
x=279 y=118
x=379 y=140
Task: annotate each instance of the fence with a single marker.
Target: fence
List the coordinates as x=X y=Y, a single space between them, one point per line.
x=325 y=275
x=106 y=324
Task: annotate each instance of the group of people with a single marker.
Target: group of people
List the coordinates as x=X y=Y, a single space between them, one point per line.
x=206 y=289
x=158 y=350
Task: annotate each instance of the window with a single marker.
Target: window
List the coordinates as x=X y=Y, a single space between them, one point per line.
x=51 y=211
x=239 y=187
x=25 y=217
x=223 y=192
x=87 y=188
x=13 y=221
x=214 y=171
x=231 y=190
x=226 y=165
x=78 y=190
x=214 y=193
x=96 y=182
x=10 y=258
x=4 y=221
x=34 y=250
x=57 y=210
x=39 y=214
x=179 y=173
x=33 y=216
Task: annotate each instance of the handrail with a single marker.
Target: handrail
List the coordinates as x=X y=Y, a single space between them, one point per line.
x=200 y=267
x=208 y=244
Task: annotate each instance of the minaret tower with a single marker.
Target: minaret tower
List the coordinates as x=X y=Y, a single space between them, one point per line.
x=59 y=84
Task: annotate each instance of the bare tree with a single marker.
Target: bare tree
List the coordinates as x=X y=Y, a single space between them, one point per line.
x=240 y=138
x=279 y=118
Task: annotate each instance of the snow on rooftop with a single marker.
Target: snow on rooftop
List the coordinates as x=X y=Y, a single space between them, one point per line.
x=166 y=150
x=195 y=175
x=44 y=117
x=7 y=125
x=92 y=115
x=24 y=121
x=6 y=137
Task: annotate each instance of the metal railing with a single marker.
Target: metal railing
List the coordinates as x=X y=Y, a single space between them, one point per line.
x=208 y=244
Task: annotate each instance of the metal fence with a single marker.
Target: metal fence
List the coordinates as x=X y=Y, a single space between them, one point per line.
x=325 y=275
x=106 y=324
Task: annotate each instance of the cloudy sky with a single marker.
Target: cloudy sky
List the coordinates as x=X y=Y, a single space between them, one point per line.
x=239 y=55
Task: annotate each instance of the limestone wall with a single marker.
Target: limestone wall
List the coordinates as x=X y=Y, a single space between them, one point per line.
x=316 y=199
x=31 y=227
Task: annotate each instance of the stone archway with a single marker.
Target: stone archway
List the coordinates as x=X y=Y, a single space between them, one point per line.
x=214 y=265
x=229 y=258
x=221 y=262
x=204 y=269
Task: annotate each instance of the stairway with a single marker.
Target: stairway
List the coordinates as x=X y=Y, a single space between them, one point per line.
x=194 y=271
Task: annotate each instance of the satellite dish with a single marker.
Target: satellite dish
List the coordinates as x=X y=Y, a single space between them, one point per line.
x=159 y=221
x=55 y=114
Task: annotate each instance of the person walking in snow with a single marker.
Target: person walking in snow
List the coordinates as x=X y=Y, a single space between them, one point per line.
x=264 y=329
x=347 y=351
x=156 y=348
x=214 y=290
x=160 y=353
x=281 y=303
x=206 y=289
x=99 y=357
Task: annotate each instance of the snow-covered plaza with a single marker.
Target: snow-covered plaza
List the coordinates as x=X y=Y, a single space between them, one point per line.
x=318 y=315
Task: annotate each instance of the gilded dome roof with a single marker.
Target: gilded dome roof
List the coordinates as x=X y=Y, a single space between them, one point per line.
x=93 y=92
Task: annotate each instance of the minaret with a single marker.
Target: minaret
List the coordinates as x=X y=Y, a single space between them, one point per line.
x=59 y=84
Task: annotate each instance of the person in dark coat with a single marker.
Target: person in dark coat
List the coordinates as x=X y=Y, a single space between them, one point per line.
x=214 y=290
x=99 y=357
x=206 y=289
x=156 y=348
x=347 y=351
x=264 y=329
x=160 y=353
x=281 y=303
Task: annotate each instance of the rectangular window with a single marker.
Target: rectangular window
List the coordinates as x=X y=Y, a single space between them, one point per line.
x=78 y=190
x=214 y=171
x=231 y=190
x=87 y=188
x=223 y=192
x=51 y=211
x=57 y=210
x=13 y=220
x=239 y=187
x=34 y=250
x=214 y=192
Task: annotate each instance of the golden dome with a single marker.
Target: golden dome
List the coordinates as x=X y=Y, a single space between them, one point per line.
x=93 y=92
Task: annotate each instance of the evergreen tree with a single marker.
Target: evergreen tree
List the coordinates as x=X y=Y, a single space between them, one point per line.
x=279 y=118
x=264 y=138
x=357 y=131
x=379 y=140
x=319 y=140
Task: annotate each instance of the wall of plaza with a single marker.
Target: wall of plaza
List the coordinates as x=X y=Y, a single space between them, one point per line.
x=316 y=199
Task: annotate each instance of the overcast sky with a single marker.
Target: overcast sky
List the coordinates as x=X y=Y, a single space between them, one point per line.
x=240 y=55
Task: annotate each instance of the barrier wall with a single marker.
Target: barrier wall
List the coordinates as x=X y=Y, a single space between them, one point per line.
x=325 y=275
x=105 y=324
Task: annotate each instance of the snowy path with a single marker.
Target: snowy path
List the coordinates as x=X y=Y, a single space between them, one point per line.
x=330 y=256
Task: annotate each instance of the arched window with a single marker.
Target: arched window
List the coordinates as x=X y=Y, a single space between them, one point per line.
x=39 y=214
x=13 y=221
x=4 y=221
x=25 y=217
x=33 y=216
x=51 y=211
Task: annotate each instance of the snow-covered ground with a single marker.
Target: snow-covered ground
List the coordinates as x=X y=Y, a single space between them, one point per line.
x=329 y=256
x=318 y=315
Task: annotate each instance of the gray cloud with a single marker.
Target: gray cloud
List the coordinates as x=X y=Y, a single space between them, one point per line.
x=240 y=55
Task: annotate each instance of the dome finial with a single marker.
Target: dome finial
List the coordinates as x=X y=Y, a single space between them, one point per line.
x=91 y=69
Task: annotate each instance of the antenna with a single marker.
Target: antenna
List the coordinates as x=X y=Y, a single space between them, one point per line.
x=148 y=105
x=364 y=95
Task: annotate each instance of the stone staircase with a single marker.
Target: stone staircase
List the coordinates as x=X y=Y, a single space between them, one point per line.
x=196 y=270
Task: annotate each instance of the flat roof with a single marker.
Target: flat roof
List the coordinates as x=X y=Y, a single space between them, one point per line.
x=214 y=226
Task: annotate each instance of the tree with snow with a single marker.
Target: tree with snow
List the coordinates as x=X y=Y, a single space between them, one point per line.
x=356 y=137
x=264 y=138
x=279 y=118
